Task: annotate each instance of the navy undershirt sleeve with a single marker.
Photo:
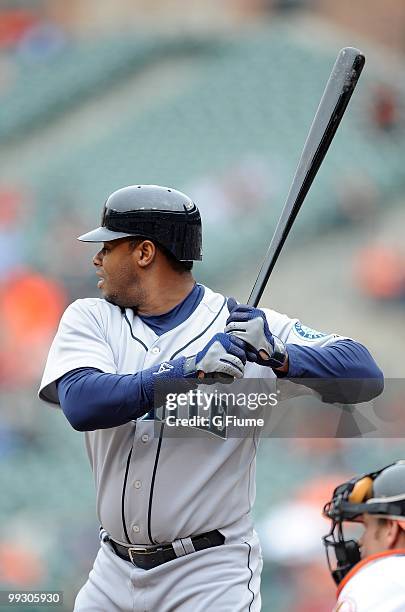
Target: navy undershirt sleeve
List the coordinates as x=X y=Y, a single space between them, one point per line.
x=91 y=399
x=357 y=376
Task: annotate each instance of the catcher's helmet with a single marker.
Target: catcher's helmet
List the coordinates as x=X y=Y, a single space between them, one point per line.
x=161 y=214
x=380 y=493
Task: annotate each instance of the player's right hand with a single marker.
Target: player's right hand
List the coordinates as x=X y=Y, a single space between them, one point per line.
x=224 y=354
x=250 y=325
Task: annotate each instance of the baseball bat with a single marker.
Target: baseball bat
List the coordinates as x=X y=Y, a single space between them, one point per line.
x=338 y=91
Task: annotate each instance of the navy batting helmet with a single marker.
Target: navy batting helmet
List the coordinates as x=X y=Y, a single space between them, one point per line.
x=161 y=214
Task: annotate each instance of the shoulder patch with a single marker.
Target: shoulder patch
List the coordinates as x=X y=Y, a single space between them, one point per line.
x=307 y=332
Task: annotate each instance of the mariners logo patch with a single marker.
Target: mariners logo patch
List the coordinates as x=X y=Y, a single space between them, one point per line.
x=306 y=332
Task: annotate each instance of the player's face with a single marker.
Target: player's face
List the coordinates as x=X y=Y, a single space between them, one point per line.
x=119 y=281
x=374 y=537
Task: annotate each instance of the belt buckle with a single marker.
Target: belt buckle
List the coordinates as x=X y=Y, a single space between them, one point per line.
x=134 y=550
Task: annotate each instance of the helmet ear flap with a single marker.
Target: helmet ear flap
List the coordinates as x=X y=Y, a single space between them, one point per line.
x=362 y=491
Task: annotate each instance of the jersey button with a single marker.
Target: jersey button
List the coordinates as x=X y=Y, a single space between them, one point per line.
x=136 y=529
x=155 y=350
x=145 y=438
x=137 y=484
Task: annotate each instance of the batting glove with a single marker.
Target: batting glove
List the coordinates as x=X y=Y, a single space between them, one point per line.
x=224 y=354
x=250 y=325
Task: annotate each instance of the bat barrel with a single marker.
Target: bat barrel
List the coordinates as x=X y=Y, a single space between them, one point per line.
x=339 y=88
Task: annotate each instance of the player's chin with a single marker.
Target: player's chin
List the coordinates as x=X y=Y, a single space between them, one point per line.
x=112 y=298
x=118 y=300
x=107 y=292
x=102 y=288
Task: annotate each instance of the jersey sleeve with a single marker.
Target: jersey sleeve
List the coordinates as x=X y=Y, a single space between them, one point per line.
x=80 y=342
x=292 y=331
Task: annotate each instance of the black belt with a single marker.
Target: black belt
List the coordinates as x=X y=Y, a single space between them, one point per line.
x=152 y=556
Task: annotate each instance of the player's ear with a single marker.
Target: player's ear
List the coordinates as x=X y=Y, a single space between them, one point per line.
x=145 y=253
x=393 y=533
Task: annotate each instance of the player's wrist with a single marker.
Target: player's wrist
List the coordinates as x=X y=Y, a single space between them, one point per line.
x=190 y=367
x=166 y=370
x=223 y=354
x=285 y=367
x=274 y=355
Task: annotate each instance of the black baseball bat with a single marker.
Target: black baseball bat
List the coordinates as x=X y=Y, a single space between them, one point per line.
x=338 y=91
x=335 y=98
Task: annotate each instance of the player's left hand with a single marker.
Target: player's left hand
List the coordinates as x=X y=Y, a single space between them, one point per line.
x=250 y=325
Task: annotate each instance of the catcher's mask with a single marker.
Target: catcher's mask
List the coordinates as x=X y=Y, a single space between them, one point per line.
x=380 y=493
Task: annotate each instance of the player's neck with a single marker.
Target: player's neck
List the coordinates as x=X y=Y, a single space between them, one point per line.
x=166 y=293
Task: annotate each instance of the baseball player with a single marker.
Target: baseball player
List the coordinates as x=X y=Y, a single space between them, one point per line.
x=175 y=513
x=369 y=573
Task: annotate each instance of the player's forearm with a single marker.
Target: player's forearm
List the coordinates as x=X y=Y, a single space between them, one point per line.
x=91 y=399
x=342 y=360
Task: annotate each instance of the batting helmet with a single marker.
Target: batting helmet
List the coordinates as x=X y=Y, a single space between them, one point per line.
x=380 y=493
x=161 y=214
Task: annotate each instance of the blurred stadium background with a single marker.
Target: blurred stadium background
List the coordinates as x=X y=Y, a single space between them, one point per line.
x=214 y=98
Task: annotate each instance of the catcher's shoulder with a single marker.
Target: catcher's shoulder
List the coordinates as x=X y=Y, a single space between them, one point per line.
x=376 y=580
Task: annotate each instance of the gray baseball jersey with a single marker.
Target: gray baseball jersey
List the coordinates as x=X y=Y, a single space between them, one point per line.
x=156 y=489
